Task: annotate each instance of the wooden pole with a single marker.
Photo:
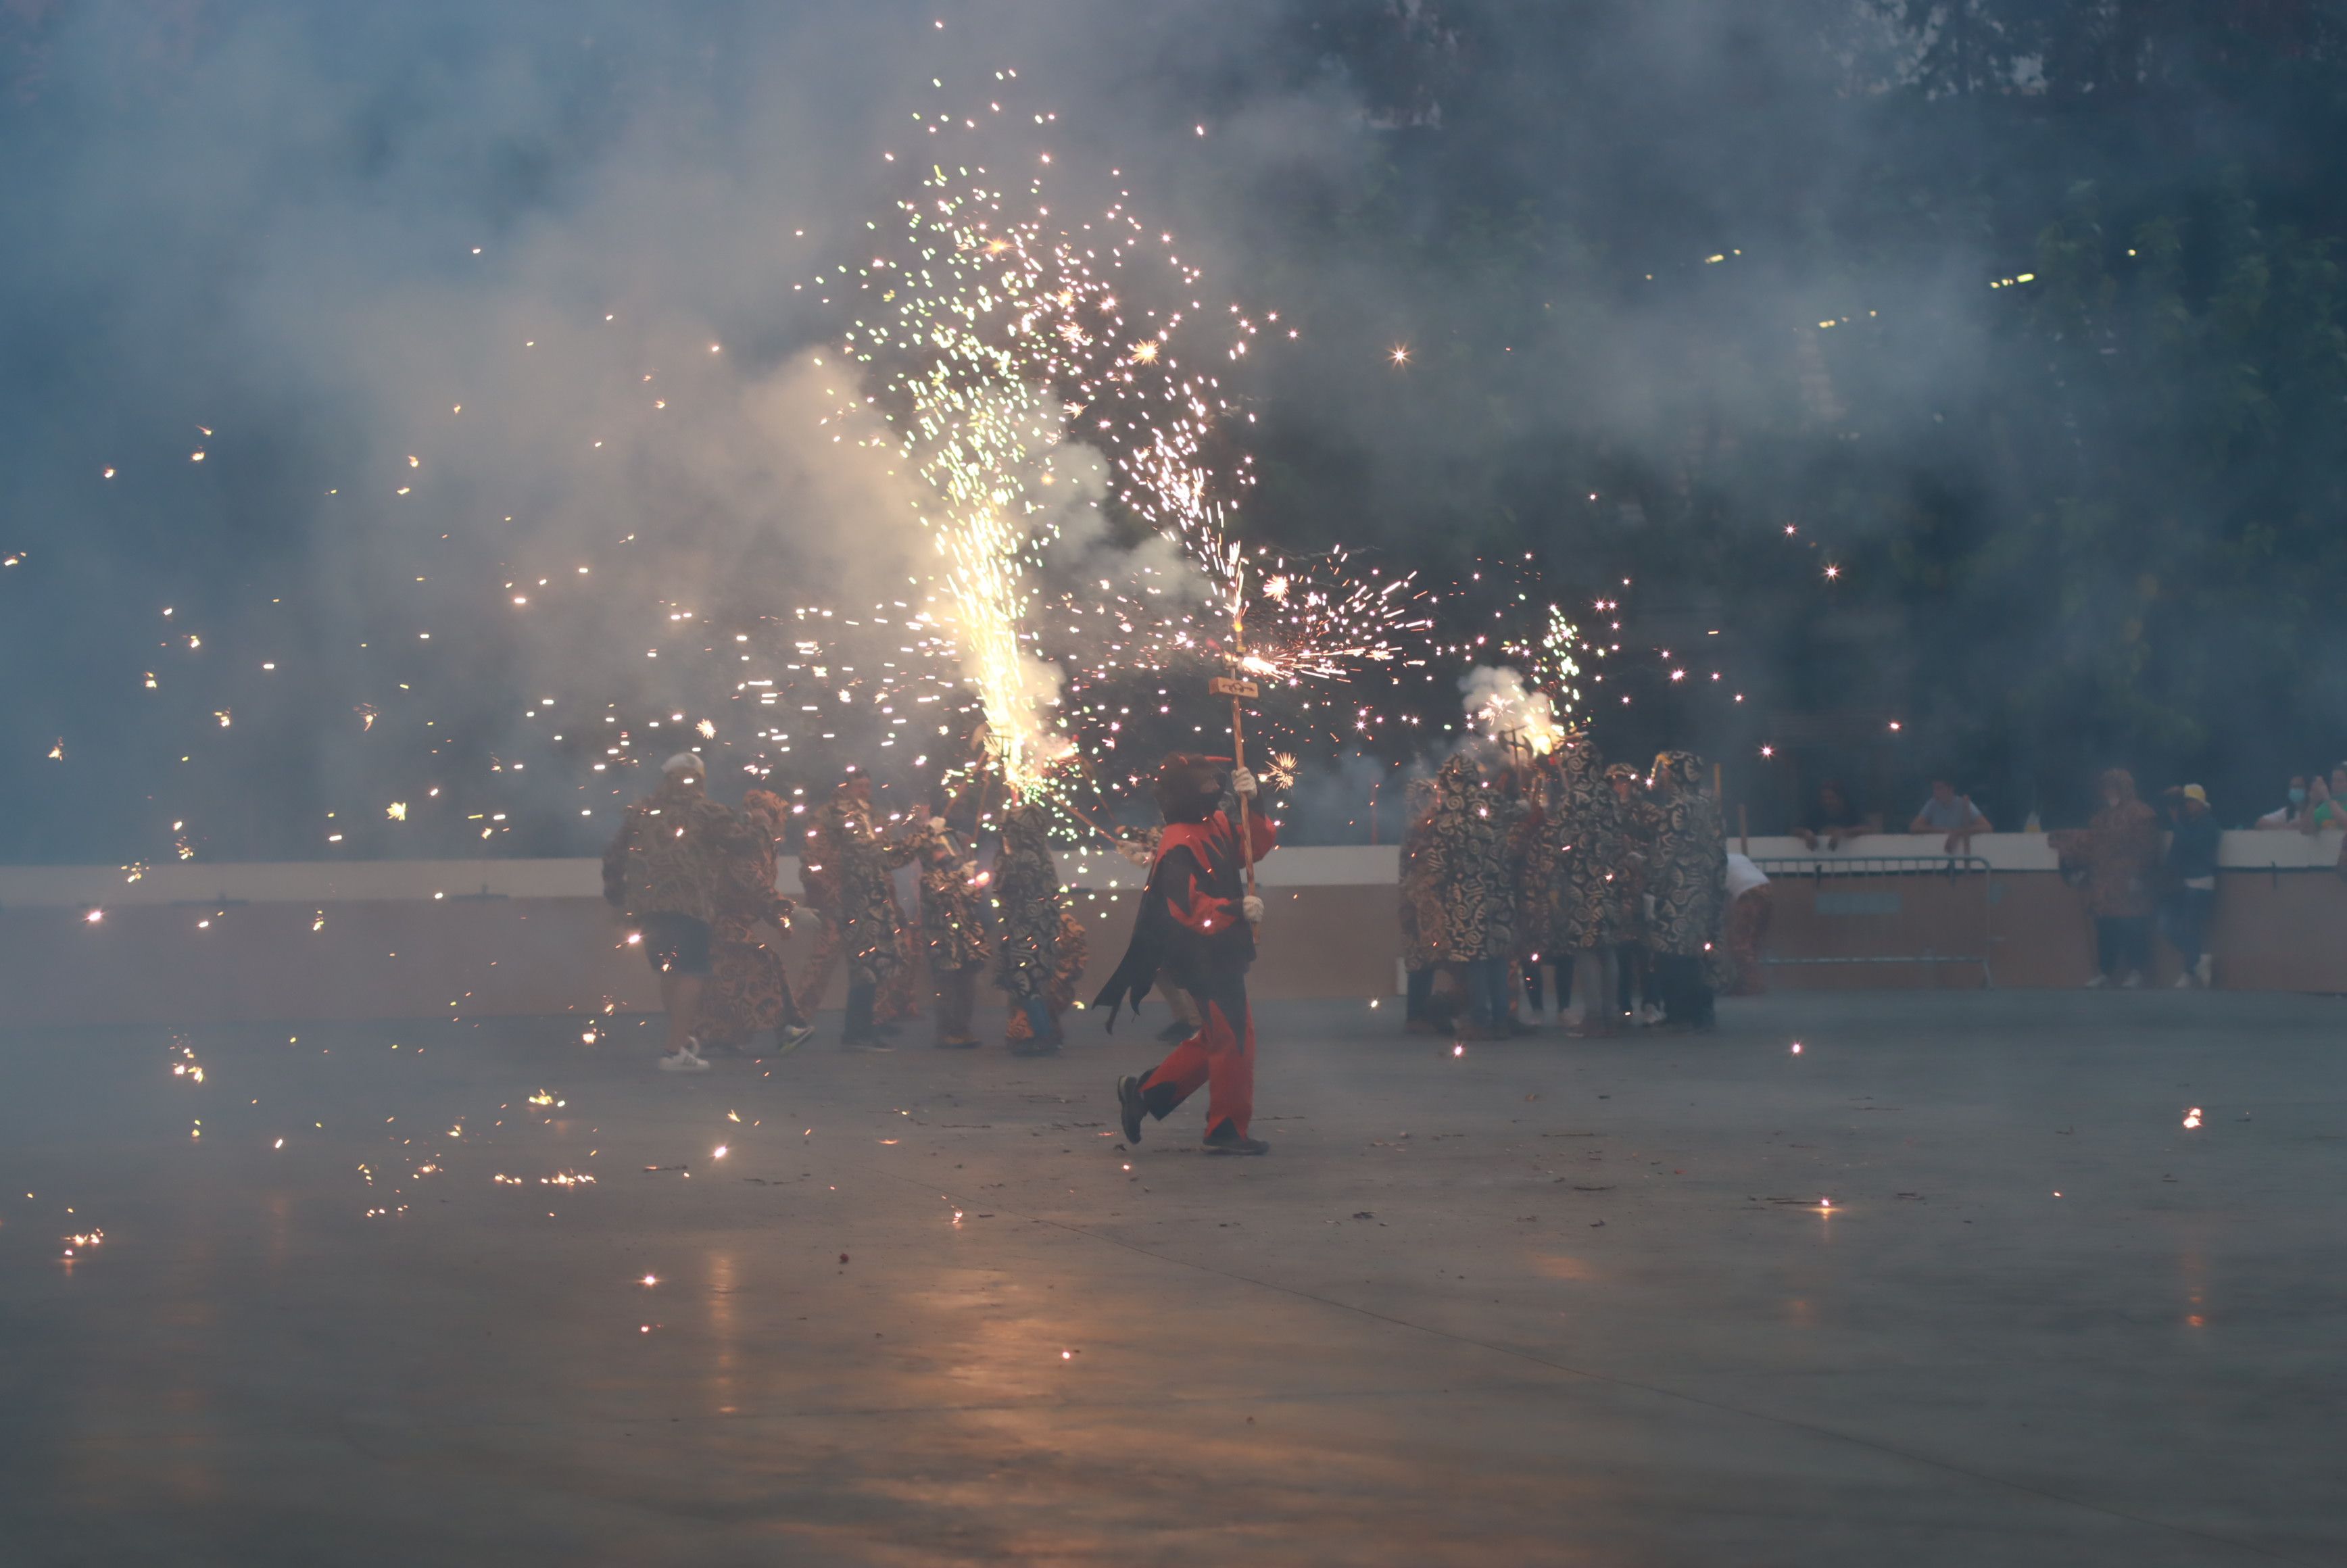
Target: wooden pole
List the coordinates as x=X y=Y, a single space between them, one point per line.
x=1239 y=688
x=1238 y=760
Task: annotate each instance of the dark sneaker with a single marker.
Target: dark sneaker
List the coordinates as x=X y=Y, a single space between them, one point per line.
x=1129 y=1104
x=792 y=1036
x=1227 y=1140
x=1175 y=1033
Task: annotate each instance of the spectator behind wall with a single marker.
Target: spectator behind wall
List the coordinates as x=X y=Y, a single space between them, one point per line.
x=1950 y=813
x=2326 y=805
x=2292 y=808
x=1750 y=907
x=1835 y=816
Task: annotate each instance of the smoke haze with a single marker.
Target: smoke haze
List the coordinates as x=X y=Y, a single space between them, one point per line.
x=453 y=299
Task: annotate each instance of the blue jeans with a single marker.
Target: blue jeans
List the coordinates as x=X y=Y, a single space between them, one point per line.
x=2184 y=921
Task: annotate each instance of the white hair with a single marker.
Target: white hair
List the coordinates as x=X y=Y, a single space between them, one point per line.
x=684 y=762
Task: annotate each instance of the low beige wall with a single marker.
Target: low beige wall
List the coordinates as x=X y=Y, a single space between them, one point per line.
x=169 y=965
x=420 y=939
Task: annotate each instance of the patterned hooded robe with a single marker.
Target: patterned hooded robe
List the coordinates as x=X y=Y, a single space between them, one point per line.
x=747 y=990
x=1027 y=894
x=1466 y=842
x=1642 y=824
x=1687 y=873
x=865 y=908
x=1422 y=904
x=953 y=924
x=1588 y=835
x=1531 y=858
x=2118 y=849
x=674 y=848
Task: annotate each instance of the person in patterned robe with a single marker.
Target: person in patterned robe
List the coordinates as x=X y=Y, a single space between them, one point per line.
x=747 y=990
x=818 y=893
x=1531 y=853
x=1421 y=914
x=1587 y=837
x=1635 y=983
x=2117 y=856
x=1040 y=954
x=1468 y=840
x=953 y=924
x=1687 y=877
x=663 y=872
x=865 y=910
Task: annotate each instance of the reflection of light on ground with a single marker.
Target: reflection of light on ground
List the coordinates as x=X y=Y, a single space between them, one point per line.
x=722 y=1327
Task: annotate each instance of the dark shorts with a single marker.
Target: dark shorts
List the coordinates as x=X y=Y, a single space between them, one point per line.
x=676 y=944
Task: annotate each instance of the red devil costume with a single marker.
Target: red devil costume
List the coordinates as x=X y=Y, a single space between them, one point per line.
x=1193 y=923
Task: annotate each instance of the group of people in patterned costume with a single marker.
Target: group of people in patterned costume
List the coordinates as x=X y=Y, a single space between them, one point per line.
x=696 y=881
x=1465 y=856
x=1614 y=880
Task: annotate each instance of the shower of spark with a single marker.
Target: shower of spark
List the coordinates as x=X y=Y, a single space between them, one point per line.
x=1502 y=708
x=1011 y=371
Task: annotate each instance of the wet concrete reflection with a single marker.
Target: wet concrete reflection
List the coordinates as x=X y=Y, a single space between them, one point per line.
x=1553 y=1302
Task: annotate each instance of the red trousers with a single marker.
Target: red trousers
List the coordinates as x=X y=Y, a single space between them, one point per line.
x=1220 y=1056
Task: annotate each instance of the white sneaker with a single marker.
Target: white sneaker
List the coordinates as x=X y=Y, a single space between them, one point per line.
x=2134 y=982
x=793 y=1036
x=684 y=1061
x=2204 y=973
x=2184 y=982
x=2098 y=982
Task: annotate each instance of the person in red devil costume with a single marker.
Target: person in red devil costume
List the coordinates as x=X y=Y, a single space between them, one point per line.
x=1197 y=922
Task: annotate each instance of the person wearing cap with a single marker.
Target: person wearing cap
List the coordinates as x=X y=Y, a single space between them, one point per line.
x=2191 y=869
x=1197 y=920
x=664 y=872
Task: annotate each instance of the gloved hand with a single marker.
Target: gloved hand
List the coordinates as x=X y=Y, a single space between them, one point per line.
x=1136 y=851
x=1253 y=906
x=1242 y=781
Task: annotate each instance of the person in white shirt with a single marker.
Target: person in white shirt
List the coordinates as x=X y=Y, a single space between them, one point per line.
x=2292 y=808
x=1952 y=814
x=1749 y=908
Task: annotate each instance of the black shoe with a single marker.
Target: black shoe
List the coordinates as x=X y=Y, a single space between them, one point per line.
x=1030 y=1046
x=1226 y=1138
x=869 y=1042
x=1129 y=1104
x=1175 y=1033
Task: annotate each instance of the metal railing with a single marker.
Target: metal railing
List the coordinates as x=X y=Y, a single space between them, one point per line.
x=1817 y=869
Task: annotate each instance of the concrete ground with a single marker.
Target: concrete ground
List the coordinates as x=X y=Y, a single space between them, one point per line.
x=1544 y=1302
